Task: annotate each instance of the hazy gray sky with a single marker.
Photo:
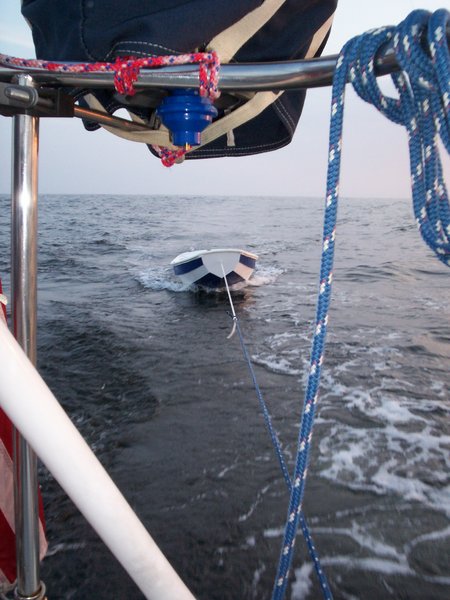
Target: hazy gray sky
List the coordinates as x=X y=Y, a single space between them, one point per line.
x=375 y=156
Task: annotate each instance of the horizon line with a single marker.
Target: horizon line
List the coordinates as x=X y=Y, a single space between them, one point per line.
x=193 y=195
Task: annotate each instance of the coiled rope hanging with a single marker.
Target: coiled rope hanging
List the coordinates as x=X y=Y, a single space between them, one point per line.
x=423 y=107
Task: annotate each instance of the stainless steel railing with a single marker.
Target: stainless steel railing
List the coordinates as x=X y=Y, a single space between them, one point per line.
x=296 y=74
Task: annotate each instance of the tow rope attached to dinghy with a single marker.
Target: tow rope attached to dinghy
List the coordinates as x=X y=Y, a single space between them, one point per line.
x=327 y=595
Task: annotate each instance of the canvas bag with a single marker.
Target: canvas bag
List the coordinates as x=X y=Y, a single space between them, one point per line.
x=240 y=31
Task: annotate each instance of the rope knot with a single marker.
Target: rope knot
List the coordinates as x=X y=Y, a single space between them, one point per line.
x=126 y=71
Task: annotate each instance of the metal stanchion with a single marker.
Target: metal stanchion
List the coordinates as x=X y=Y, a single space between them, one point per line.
x=24 y=309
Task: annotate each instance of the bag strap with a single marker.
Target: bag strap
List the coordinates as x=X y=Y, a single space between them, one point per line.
x=261 y=100
x=229 y=41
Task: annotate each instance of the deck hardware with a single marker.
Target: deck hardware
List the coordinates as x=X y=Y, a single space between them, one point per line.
x=186 y=114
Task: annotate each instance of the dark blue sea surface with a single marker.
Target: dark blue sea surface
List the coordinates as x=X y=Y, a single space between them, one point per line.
x=145 y=370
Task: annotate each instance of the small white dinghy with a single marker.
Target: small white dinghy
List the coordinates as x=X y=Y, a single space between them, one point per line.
x=208 y=268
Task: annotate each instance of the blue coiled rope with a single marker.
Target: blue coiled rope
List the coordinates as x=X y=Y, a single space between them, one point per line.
x=423 y=107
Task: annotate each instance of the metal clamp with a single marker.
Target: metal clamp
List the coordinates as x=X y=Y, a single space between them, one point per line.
x=39 y=595
x=25 y=99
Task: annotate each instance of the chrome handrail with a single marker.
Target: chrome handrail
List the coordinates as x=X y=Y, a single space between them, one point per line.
x=24 y=198
x=273 y=76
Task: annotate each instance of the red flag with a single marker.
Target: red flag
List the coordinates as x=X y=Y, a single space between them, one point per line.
x=7 y=536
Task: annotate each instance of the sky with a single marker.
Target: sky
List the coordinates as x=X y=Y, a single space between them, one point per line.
x=375 y=160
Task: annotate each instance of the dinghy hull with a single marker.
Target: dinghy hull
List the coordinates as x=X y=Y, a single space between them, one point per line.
x=208 y=268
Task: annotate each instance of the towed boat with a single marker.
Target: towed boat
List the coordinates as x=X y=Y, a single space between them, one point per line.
x=209 y=268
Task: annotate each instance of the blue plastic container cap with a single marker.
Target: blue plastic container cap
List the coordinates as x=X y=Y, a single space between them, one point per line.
x=186 y=114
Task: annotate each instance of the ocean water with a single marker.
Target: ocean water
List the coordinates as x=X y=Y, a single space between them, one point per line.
x=145 y=370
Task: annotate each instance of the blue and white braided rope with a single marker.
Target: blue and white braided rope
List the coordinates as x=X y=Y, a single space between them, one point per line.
x=423 y=107
x=326 y=592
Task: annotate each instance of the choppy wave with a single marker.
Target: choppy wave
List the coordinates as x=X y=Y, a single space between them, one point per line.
x=390 y=436
x=163 y=278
